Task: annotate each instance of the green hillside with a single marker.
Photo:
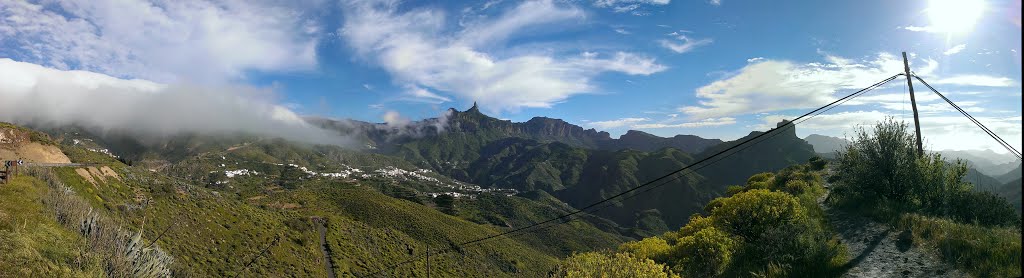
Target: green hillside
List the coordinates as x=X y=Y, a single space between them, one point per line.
x=382 y=212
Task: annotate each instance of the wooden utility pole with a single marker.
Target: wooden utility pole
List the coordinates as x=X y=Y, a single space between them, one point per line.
x=913 y=104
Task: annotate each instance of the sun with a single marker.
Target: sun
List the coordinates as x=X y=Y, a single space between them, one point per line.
x=955 y=16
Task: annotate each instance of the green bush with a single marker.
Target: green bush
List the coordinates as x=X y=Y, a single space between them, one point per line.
x=733 y=190
x=817 y=163
x=761 y=181
x=796 y=187
x=881 y=172
x=593 y=264
x=654 y=248
x=982 y=207
x=706 y=253
x=696 y=223
x=753 y=213
x=713 y=204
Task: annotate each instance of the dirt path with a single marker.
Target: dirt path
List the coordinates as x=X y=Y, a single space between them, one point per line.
x=878 y=250
x=321 y=225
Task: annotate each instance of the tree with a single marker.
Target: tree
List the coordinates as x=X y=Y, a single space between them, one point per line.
x=446 y=203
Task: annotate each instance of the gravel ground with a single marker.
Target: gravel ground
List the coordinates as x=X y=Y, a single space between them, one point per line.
x=878 y=250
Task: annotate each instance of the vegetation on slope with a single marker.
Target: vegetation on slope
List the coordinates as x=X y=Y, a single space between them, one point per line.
x=32 y=243
x=881 y=174
x=771 y=226
x=214 y=229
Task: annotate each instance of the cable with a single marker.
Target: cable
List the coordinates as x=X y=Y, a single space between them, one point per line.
x=776 y=130
x=247 y=265
x=976 y=122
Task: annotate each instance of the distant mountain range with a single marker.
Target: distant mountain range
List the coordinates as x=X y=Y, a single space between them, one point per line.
x=986 y=161
x=542 y=129
x=577 y=165
x=826 y=144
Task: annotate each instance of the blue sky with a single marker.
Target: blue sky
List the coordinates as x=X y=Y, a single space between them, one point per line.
x=716 y=69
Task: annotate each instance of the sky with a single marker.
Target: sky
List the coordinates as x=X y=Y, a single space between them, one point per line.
x=717 y=69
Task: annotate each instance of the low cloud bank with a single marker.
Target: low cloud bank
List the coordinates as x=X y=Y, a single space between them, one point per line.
x=36 y=95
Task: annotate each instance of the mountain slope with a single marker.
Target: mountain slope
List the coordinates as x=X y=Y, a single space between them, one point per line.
x=642 y=141
x=1011 y=175
x=826 y=144
x=581 y=176
x=454 y=126
x=218 y=201
x=987 y=162
x=771 y=153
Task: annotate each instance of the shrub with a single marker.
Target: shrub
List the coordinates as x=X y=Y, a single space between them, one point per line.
x=696 y=223
x=593 y=264
x=817 y=163
x=878 y=165
x=713 y=204
x=882 y=172
x=982 y=207
x=705 y=253
x=796 y=187
x=444 y=202
x=654 y=248
x=733 y=190
x=761 y=181
x=753 y=213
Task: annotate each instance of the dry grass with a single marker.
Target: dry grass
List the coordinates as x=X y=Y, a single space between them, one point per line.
x=124 y=252
x=981 y=251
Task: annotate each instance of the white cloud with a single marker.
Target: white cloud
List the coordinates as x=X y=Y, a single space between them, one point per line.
x=929 y=29
x=685 y=44
x=772 y=85
x=624 y=62
x=974 y=80
x=616 y=123
x=702 y=123
x=635 y=7
x=716 y=2
x=416 y=48
x=622 y=31
x=954 y=50
x=393 y=118
x=827 y=123
x=775 y=85
x=33 y=94
x=525 y=17
x=159 y=40
x=950 y=131
x=613 y=3
x=755 y=59
x=625 y=8
x=417 y=94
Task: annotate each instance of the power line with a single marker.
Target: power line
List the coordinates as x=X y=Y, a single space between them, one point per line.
x=775 y=130
x=976 y=122
x=258 y=255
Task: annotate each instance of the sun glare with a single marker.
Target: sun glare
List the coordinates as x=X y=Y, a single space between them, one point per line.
x=955 y=16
